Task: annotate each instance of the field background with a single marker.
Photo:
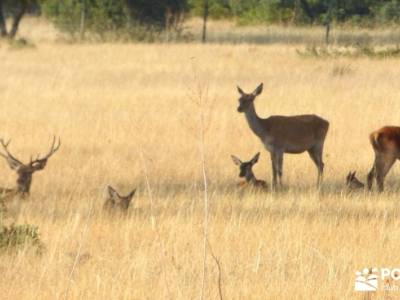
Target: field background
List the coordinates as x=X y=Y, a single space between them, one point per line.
x=125 y=112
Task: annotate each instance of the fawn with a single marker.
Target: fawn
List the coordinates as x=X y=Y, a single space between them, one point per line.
x=11 y=198
x=247 y=172
x=115 y=201
x=352 y=183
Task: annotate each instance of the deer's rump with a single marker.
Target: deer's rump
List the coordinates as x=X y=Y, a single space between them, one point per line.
x=386 y=139
x=296 y=134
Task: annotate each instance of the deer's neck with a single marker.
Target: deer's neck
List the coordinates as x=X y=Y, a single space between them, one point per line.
x=254 y=121
x=24 y=184
x=250 y=178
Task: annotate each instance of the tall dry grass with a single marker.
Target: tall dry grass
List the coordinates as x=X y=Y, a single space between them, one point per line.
x=125 y=112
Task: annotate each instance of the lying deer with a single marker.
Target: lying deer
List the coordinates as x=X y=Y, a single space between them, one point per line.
x=11 y=198
x=352 y=183
x=247 y=172
x=115 y=202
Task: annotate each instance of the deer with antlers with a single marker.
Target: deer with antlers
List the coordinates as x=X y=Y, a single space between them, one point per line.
x=10 y=198
x=285 y=134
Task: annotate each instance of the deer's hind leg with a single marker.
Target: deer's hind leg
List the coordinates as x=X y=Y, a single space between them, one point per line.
x=371 y=176
x=274 y=179
x=383 y=164
x=280 y=167
x=316 y=156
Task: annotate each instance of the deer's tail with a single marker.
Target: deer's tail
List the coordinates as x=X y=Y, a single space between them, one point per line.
x=376 y=140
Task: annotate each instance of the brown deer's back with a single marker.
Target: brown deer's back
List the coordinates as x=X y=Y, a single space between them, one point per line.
x=386 y=139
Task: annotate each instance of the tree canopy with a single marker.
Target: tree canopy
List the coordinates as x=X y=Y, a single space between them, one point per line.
x=101 y=16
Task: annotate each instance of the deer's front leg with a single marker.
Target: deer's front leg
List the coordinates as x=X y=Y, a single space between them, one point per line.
x=279 y=160
x=274 y=163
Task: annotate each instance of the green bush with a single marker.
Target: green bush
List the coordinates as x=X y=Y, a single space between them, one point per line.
x=390 y=12
x=99 y=15
x=117 y=16
x=218 y=9
x=15 y=237
x=20 y=43
x=352 y=52
x=357 y=12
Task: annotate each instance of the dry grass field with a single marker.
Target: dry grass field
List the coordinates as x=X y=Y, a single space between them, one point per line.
x=128 y=112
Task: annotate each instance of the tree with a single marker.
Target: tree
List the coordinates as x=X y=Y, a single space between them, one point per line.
x=100 y=16
x=3 y=27
x=205 y=17
x=156 y=13
x=16 y=9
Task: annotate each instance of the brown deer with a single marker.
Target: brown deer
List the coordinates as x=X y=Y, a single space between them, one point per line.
x=246 y=171
x=115 y=202
x=352 y=182
x=386 y=145
x=285 y=134
x=10 y=198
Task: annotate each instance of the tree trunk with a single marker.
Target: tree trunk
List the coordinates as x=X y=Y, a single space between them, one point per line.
x=17 y=19
x=328 y=29
x=329 y=20
x=205 y=17
x=306 y=8
x=3 y=27
x=82 y=27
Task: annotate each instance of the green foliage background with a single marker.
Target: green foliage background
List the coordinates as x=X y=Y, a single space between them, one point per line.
x=103 y=16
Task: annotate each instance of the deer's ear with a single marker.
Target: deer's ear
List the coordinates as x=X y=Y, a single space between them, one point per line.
x=112 y=193
x=258 y=90
x=255 y=158
x=13 y=164
x=240 y=91
x=236 y=160
x=39 y=165
x=130 y=196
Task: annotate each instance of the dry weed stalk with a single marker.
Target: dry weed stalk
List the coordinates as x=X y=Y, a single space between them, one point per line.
x=152 y=217
x=199 y=95
x=78 y=253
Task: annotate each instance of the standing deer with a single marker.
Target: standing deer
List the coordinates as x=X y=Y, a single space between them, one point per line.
x=386 y=145
x=11 y=198
x=115 y=201
x=283 y=134
x=247 y=172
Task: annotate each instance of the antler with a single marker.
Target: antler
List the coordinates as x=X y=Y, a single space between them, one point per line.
x=52 y=150
x=12 y=161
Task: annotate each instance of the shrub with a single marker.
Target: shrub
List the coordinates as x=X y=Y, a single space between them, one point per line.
x=21 y=43
x=352 y=51
x=118 y=16
x=15 y=237
x=390 y=12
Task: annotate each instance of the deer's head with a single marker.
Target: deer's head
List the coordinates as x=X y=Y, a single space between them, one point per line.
x=246 y=100
x=246 y=170
x=25 y=171
x=352 y=182
x=116 y=201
